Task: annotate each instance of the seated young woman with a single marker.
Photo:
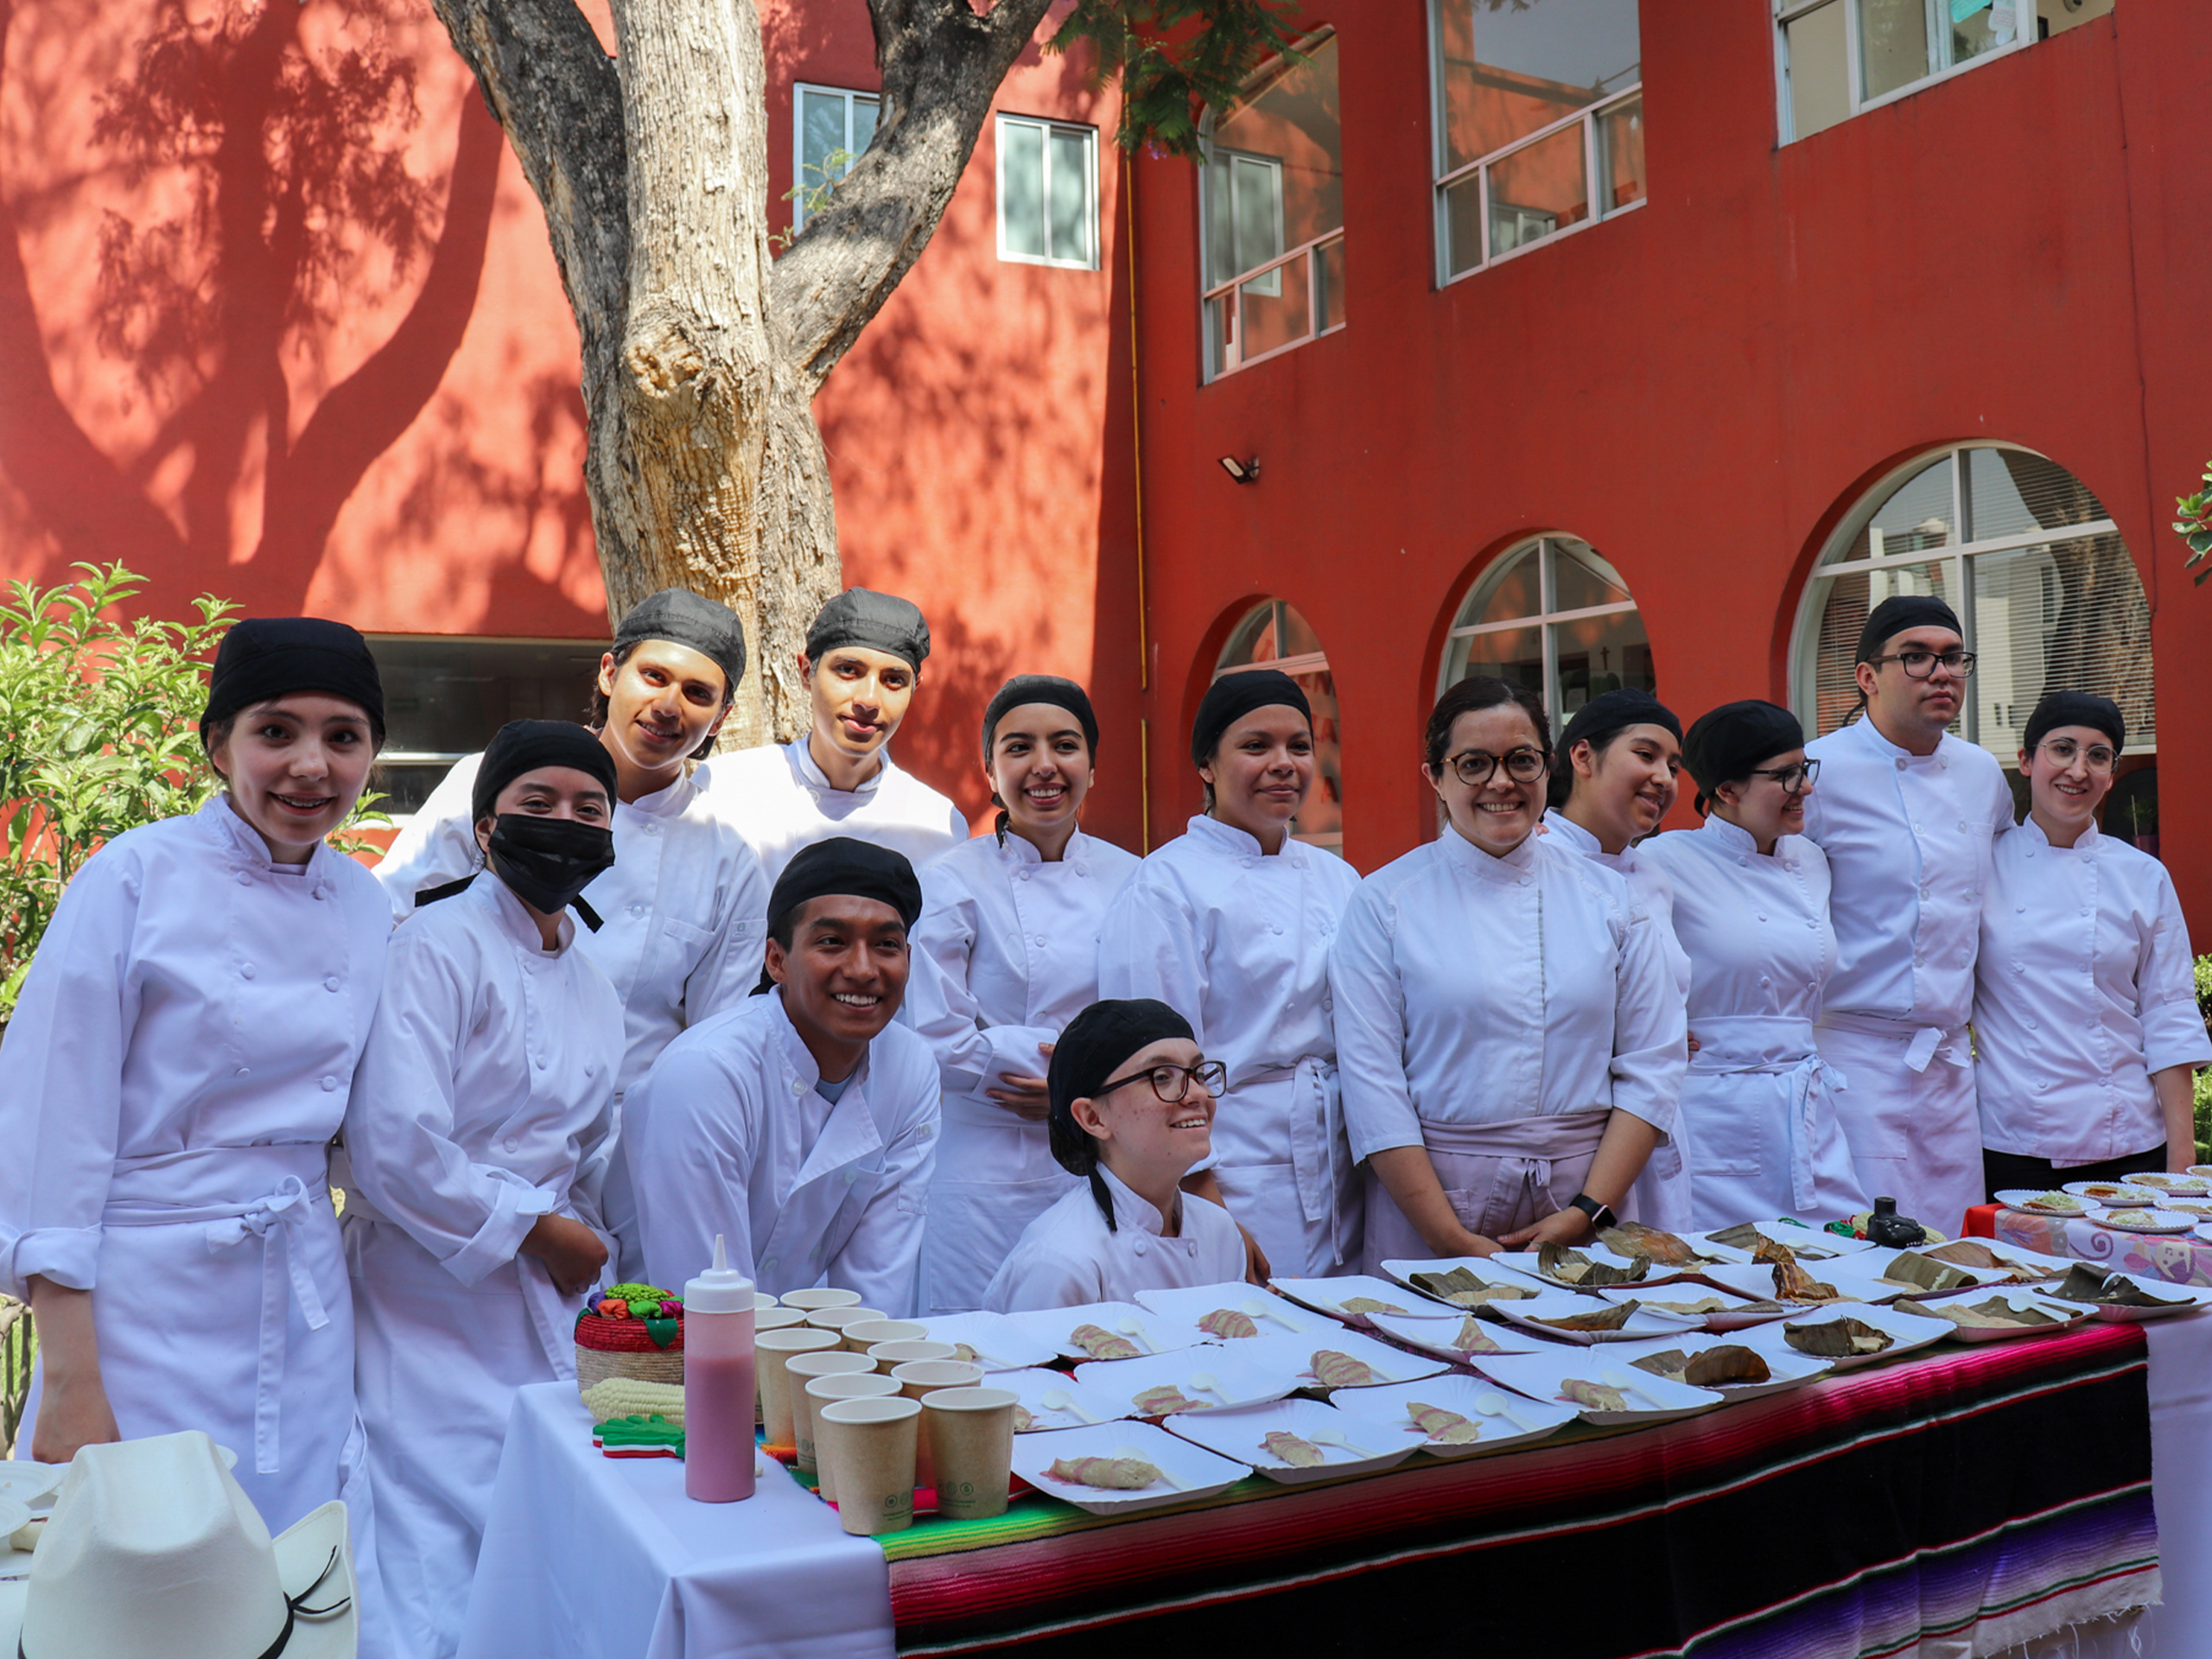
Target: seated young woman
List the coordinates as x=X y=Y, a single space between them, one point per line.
x=1131 y=1112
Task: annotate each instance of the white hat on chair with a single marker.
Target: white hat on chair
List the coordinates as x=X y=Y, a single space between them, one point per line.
x=154 y=1552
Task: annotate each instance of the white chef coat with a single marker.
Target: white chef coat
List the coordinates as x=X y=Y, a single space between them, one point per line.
x=1758 y=1108
x=1005 y=954
x=175 y=1068
x=1237 y=942
x=483 y=1099
x=2085 y=987
x=1907 y=840
x=780 y=801
x=733 y=1138
x=1662 y=1195
x=1067 y=1258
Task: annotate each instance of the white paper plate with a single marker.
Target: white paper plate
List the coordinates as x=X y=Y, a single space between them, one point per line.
x=2016 y=1197
x=1201 y=1473
x=1242 y=1383
x=2069 y=1314
x=999 y=1343
x=1523 y=1263
x=1242 y=1435
x=1809 y=1243
x=2112 y=1195
x=1032 y=1387
x=1387 y=1405
x=2195 y=1209
x=1052 y=1325
x=1482 y=1266
x=2020 y=1256
x=1437 y=1335
x=2161 y=1221
x=1189 y=1305
x=1756 y=1279
x=2201 y=1169
x=28 y=1482
x=1791 y=1369
x=1566 y=1303
x=1861 y=1278
x=1908 y=1331
x=1329 y=1296
x=1540 y=1376
x=2189 y=1298
x=2166 y=1184
x=1739 y=1314
x=1292 y=1357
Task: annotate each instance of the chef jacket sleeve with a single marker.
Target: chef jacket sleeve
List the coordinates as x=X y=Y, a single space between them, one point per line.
x=1041 y=1274
x=1651 y=1028
x=1149 y=945
x=62 y=1079
x=726 y=975
x=399 y=1118
x=1370 y=1027
x=882 y=1257
x=439 y=843
x=946 y=1013
x=2165 y=988
x=691 y=1163
x=2000 y=804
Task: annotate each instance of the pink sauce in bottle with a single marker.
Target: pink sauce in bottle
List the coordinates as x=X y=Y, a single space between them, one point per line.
x=718 y=1383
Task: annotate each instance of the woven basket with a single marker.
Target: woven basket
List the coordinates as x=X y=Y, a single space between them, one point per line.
x=607 y=1348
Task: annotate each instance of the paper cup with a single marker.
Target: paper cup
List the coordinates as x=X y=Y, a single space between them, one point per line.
x=778 y=1318
x=889 y=1354
x=825 y=1297
x=821 y=1391
x=770 y=1349
x=970 y=1434
x=872 y=1451
x=802 y=1369
x=917 y=1377
x=863 y=1334
x=762 y=1299
x=836 y=1318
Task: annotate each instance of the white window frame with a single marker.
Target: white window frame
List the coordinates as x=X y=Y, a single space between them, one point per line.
x=1047 y=126
x=1547 y=616
x=1789 y=11
x=799 y=180
x=1591 y=116
x=1957 y=558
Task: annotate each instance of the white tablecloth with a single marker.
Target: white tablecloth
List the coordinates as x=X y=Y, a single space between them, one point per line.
x=591 y=1557
x=2181 y=1484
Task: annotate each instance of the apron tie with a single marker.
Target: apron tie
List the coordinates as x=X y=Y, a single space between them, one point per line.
x=267 y=1219
x=1319 y=1157
x=1923 y=1043
x=1525 y=1147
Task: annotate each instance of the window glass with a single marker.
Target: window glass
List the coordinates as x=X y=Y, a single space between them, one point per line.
x=1537 y=190
x=445 y=696
x=1900 y=44
x=1069 y=206
x=1022 y=189
x=834 y=126
x=1620 y=152
x=1820 y=73
x=1048 y=180
x=1275 y=636
x=1892 y=44
x=1506 y=628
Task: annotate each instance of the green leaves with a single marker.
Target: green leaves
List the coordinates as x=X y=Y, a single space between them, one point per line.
x=2195 y=527
x=1177 y=59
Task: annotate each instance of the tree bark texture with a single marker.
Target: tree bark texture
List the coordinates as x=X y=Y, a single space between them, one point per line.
x=701 y=356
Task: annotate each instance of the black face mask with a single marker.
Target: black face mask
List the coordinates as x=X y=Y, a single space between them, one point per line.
x=549 y=861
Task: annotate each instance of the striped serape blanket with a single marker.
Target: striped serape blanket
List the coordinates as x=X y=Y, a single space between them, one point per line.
x=1951 y=1503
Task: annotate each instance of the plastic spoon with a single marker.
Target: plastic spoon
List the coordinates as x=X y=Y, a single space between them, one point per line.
x=1336 y=1437
x=1134 y=1329
x=1131 y=1452
x=1257 y=1309
x=1490 y=1404
x=1061 y=1400
x=1207 y=1382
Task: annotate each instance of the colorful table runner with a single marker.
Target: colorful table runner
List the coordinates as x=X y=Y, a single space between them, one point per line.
x=2177 y=1258
x=1979 y=1497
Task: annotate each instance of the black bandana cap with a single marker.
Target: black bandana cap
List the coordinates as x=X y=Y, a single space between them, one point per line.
x=1614 y=711
x=1024 y=688
x=266 y=656
x=1232 y=697
x=843 y=865
x=522 y=746
x=2057 y=709
x=1725 y=743
x=1096 y=1045
x=684 y=618
x=873 y=621
x=1899 y=611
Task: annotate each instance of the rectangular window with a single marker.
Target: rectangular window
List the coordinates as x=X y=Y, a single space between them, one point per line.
x=831 y=128
x=1836 y=58
x=444 y=697
x=1273 y=213
x=1539 y=122
x=1048 y=192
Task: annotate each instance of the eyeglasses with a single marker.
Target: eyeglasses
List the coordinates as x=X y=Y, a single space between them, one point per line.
x=1921 y=665
x=1172 y=1082
x=1794 y=779
x=1522 y=766
x=2064 y=751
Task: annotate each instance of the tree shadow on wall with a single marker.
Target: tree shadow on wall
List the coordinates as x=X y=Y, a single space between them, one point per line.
x=286 y=197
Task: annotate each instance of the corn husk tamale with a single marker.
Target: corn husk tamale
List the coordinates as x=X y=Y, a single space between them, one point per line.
x=1603 y=1318
x=1911 y=1267
x=2089 y=1284
x=1462 y=1288
x=1838 y=1338
x=1566 y=1266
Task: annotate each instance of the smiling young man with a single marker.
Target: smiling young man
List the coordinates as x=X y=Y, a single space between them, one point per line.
x=861 y=665
x=801 y=1127
x=1907 y=814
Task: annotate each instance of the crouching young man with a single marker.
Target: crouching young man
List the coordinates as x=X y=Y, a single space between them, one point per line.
x=801 y=1126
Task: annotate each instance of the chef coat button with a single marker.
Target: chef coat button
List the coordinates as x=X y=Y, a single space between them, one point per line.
x=514 y=1143
x=1025 y=874
x=2018 y=908
x=538 y=1060
x=1040 y=941
x=768 y=1262
x=652 y=829
x=2033 y=1026
x=328 y=1084
x=1083 y=869
x=246 y=971
x=1763 y=980
x=1247 y=863
x=636 y=909
x=330 y=982
x=1140 y=1246
x=1900 y=764
x=244 y=1072
x=245 y=879
x=1524 y=881
x=798 y=1088
x=1962 y=826
x=1274 y=927
x=1762 y=916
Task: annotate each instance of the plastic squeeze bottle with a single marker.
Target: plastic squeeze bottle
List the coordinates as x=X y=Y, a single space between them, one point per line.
x=718 y=1383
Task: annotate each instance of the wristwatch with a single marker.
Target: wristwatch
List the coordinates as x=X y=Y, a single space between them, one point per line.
x=1601 y=1215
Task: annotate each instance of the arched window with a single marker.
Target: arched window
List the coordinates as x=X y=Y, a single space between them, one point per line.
x=1272 y=635
x=2034 y=566
x=1551 y=613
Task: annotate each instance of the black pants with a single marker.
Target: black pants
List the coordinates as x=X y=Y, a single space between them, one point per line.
x=2004 y=1170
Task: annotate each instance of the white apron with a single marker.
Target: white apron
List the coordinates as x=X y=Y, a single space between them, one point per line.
x=1760 y=1101
x=1499 y=1178
x=1914 y=1130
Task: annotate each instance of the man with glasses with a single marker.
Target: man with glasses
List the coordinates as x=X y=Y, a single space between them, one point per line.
x=2085 y=1028
x=1907 y=813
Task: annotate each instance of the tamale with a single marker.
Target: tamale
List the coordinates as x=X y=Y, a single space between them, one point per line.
x=1839 y=1338
x=2089 y=1284
x=1992 y=1313
x=1333 y=1369
x=1634 y=1238
x=1729 y=1365
x=1603 y=1318
x=1596 y=1395
x=1108 y=1474
x=1443 y=1427
x=1229 y=1322
x=1160 y=1401
x=1473 y=1339
x=1566 y=1266
x=1911 y=1267
x=1463 y=1289
x=1369 y=1305
x=1102 y=1343
x=1297 y=1453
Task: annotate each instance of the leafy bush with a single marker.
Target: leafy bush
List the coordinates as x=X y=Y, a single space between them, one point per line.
x=2204 y=1077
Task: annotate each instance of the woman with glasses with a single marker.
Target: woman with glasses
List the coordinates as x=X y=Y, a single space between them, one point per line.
x=2086 y=1028
x=1759 y=1109
x=1620 y=760
x=1229 y=924
x=1132 y=1111
x=1511 y=1042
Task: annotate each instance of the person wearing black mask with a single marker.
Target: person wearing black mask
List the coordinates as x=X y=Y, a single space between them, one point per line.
x=476 y=1137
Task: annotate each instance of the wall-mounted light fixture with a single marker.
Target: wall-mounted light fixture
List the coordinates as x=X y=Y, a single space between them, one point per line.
x=1244 y=472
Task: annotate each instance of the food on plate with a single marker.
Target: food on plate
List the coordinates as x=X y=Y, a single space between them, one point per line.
x=1603 y=1318
x=1369 y=1305
x=1634 y=1238
x=2056 y=1203
x=1228 y=1322
x=1023 y=1422
x=2198 y=1207
x=2102 y=1191
x=1108 y=1474
x=1838 y=1338
x=1596 y=1395
x=1749 y=1235
x=1102 y=1343
x=1973 y=1253
x=1165 y=1398
x=1473 y=1339
x=1463 y=1289
x=2089 y=1284
x=1729 y=1365
x=1443 y=1427
x=1791 y=1282
x=1334 y=1369
x=2192 y=1184
x=1994 y=1314
x=1689 y=1310
x=963 y=1352
x=1299 y=1454
x=2128 y=1218
x=1566 y=1266
x=1911 y=1267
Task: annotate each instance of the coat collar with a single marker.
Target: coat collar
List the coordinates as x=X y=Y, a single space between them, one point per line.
x=849 y=1133
x=1128 y=1208
x=2086 y=845
x=1733 y=836
x=242 y=845
x=514 y=920
x=1218 y=837
x=813 y=776
x=1522 y=861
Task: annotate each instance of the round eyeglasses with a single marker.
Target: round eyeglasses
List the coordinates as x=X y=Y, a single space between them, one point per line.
x=1522 y=766
x=2062 y=752
x=1172 y=1082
